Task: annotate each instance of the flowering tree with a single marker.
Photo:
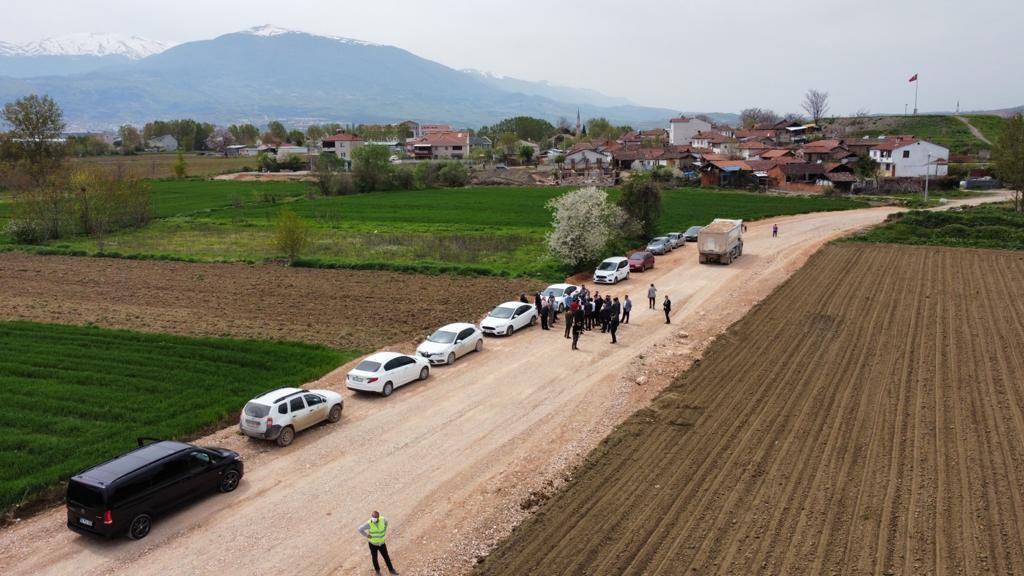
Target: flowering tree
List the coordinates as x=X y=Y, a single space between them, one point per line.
x=584 y=223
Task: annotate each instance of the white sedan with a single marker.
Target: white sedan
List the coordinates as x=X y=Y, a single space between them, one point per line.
x=560 y=291
x=451 y=342
x=384 y=371
x=508 y=317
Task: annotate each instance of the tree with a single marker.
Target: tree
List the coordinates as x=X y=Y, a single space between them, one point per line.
x=641 y=199
x=131 y=139
x=245 y=133
x=36 y=125
x=291 y=235
x=371 y=167
x=277 y=131
x=865 y=167
x=180 y=166
x=508 y=142
x=563 y=123
x=815 y=104
x=584 y=223
x=751 y=117
x=1008 y=155
x=523 y=127
x=220 y=139
x=297 y=137
x=526 y=154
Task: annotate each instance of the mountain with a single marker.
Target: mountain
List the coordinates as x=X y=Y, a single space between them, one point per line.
x=547 y=90
x=73 y=54
x=266 y=73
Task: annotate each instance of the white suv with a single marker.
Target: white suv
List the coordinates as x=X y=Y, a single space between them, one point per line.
x=277 y=415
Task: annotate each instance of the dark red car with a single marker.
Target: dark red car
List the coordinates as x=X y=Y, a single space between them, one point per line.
x=641 y=261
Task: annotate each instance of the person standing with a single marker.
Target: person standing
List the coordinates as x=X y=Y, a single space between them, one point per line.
x=375 y=530
x=570 y=320
x=606 y=313
x=577 y=328
x=544 y=314
x=598 y=310
x=590 y=314
x=552 y=312
x=667 y=307
x=775 y=230
x=652 y=295
x=627 y=305
x=537 y=303
x=613 y=320
x=522 y=298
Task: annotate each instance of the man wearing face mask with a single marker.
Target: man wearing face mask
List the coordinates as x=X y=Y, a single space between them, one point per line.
x=375 y=530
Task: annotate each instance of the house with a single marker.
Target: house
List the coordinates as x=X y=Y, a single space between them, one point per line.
x=796 y=173
x=426 y=129
x=681 y=130
x=751 y=149
x=637 y=158
x=860 y=146
x=286 y=150
x=341 y=144
x=526 y=143
x=234 y=150
x=413 y=128
x=726 y=173
x=717 y=142
x=440 y=145
x=776 y=153
x=585 y=156
x=908 y=157
x=797 y=132
x=839 y=176
x=165 y=143
x=678 y=158
x=755 y=133
x=824 y=151
x=482 y=142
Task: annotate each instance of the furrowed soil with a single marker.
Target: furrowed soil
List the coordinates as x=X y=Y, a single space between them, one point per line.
x=346 y=309
x=867 y=418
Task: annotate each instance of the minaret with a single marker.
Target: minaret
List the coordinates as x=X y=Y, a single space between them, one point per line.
x=577 y=123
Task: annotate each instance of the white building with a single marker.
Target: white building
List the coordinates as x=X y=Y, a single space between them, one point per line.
x=165 y=143
x=681 y=130
x=908 y=157
x=341 y=144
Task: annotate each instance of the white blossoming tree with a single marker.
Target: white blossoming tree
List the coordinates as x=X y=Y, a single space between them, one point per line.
x=584 y=223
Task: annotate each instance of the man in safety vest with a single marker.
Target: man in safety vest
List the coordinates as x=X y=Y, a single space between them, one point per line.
x=375 y=530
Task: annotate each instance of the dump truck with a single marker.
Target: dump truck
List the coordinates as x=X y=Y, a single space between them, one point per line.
x=721 y=241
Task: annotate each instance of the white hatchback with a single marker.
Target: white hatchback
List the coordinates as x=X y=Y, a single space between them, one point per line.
x=560 y=291
x=508 y=317
x=451 y=342
x=277 y=415
x=384 y=371
x=611 y=270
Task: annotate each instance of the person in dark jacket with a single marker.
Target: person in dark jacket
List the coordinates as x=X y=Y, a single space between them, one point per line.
x=613 y=320
x=667 y=307
x=570 y=319
x=537 y=303
x=544 y=312
x=627 y=305
x=598 y=305
x=577 y=328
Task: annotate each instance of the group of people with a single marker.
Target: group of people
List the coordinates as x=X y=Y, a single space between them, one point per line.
x=585 y=311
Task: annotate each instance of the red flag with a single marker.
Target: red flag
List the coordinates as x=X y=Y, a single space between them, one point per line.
x=913 y=78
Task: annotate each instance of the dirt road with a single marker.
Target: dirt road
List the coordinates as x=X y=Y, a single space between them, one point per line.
x=867 y=418
x=977 y=133
x=450 y=460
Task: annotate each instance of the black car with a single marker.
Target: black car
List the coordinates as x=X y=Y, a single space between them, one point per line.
x=125 y=493
x=691 y=233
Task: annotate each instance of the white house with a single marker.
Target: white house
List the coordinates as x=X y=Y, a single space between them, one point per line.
x=165 y=143
x=341 y=144
x=904 y=157
x=681 y=130
x=587 y=158
x=286 y=150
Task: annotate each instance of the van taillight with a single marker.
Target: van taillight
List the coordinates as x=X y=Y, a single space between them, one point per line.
x=108 y=518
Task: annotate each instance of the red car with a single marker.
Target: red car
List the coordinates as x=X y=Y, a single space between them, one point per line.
x=641 y=261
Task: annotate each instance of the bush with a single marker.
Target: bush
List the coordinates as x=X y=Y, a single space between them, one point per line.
x=585 y=223
x=403 y=179
x=453 y=175
x=291 y=235
x=24 y=232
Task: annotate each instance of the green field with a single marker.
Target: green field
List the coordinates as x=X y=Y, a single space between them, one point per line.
x=943 y=130
x=974 y=227
x=76 y=396
x=990 y=126
x=162 y=165
x=498 y=230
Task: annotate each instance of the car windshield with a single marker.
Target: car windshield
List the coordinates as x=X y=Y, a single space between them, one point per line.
x=442 y=337
x=502 y=312
x=693 y=230
x=368 y=366
x=608 y=266
x=257 y=410
x=655 y=242
x=556 y=292
x=637 y=256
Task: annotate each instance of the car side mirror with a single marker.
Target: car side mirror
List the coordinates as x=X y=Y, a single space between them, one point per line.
x=458 y=340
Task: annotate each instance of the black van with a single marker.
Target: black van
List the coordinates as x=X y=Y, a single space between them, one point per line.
x=125 y=493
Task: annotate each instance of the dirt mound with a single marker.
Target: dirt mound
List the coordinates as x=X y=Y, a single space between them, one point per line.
x=867 y=419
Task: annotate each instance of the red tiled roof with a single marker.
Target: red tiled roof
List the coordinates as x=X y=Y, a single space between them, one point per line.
x=752 y=145
x=741 y=164
x=443 y=139
x=713 y=137
x=680 y=120
x=715 y=157
x=776 y=153
x=822 y=146
x=631 y=153
x=756 y=133
x=343 y=137
x=893 y=143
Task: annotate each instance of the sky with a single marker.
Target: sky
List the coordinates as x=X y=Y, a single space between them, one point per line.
x=686 y=55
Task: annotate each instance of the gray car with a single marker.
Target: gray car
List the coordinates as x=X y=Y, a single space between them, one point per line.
x=659 y=245
x=677 y=239
x=691 y=233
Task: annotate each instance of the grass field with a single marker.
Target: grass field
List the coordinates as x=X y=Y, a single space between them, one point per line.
x=974 y=227
x=943 y=130
x=475 y=230
x=79 y=395
x=162 y=165
x=990 y=126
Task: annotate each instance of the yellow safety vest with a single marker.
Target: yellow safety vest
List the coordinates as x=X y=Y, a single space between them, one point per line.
x=378 y=530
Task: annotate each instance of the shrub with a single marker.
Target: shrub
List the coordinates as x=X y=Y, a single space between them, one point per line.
x=453 y=175
x=291 y=235
x=24 y=232
x=585 y=222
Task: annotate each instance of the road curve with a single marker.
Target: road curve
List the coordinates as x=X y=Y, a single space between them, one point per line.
x=447 y=460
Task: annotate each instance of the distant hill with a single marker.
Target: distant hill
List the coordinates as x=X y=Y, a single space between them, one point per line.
x=270 y=73
x=73 y=54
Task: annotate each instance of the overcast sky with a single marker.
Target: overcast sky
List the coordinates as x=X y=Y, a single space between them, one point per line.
x=693 y=55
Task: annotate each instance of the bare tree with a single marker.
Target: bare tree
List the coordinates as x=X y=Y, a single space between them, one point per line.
x=751 y=117
x=815 y=104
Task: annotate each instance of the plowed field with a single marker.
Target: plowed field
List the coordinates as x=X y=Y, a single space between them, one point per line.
x=867 y=418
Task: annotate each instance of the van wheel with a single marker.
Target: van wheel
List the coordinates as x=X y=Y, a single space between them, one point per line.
x=335 y=414
x=388 y=389
x=140 y=526
x=286 y=436
x=229 y=481
x=424 y=372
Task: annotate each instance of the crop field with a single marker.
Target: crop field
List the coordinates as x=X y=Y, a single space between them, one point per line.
x=162 y=165
x=973 y=227
x=499 y=231
x=79 y=395
x=867 y=418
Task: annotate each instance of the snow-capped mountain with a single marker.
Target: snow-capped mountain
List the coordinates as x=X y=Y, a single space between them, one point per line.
x=269 y=31
x=87 y=44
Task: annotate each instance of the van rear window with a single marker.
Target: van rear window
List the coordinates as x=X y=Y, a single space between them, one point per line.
x=85 y=495
x=257 y=410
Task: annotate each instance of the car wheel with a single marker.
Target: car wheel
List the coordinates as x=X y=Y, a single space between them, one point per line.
x=140 y=526
x=449 y=361
x=286 y=436
x=508 y=331
x=480 y=342
x=229 y=481
x=424 y=372
x=533 y=320
x=388 y=389
x=335 y=414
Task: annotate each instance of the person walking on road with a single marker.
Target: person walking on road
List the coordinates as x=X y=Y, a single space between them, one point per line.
x=613 y=320
x=667 y=307
x=627 y=305
x=775 y=230
x=652 y=296
x=577 y=328
x=375 y=530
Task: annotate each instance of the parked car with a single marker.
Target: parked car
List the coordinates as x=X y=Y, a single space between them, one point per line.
x=641 y=261
x=384 y=371
x=611 y=270
x=691 y=233
x=508 y=317
x=277 y=415
x=125 y=493
x=677 y=239
x=559 y=291
x=659 y=245
x=451 y=342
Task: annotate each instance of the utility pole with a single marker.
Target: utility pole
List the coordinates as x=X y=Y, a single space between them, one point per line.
x=904 y=109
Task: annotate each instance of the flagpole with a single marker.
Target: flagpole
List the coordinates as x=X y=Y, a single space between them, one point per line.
x=917 y=82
